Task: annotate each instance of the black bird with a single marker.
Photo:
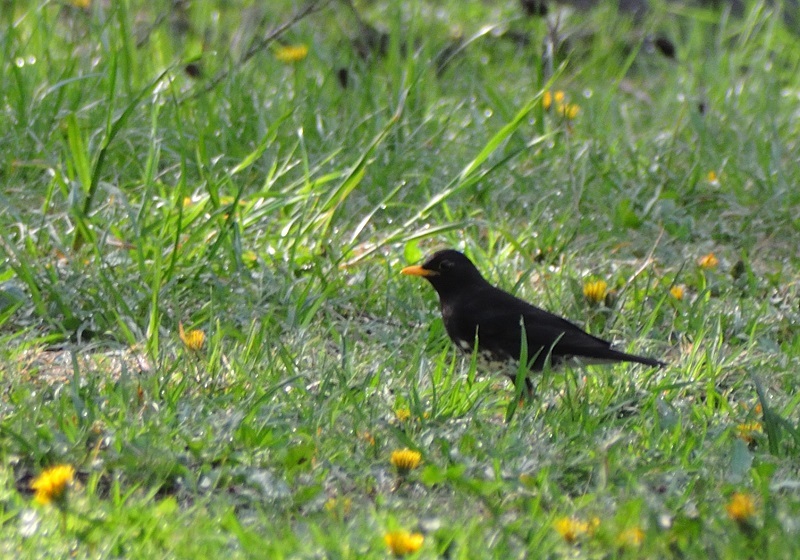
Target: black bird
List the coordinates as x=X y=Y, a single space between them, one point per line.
x=474 y=309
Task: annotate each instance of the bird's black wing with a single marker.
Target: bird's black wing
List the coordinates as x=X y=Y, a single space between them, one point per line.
x=542 y=328
x=495 y=316
x=547 y=334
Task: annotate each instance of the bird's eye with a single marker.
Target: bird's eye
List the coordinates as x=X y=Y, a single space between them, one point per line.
x=446 y=265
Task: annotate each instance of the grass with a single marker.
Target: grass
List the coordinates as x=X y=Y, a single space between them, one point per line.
x=164 y=169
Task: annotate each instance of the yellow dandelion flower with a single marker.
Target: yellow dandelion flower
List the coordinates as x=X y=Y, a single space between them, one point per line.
x=339 y=507
x=740 y=508
x=403 y=542
x=548 y=98
x=632 y=537
x=595 y=291
x=402 y=414
x=51 y=485
x=571 y=529
x=405 y=460
x=568 y=110
x=81 y=3
x=227 y=200
x=677 y=292
x=527 y=479
x=708 y=261
x=193 y=339
x=747 y=431
x=250 y=258
x=712 y=178
x=291 y=53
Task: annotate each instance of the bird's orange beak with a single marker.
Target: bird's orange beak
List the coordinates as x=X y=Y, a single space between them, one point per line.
x=417 y=270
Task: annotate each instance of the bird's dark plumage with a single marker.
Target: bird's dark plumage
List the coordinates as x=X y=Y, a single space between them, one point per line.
x=474 y=309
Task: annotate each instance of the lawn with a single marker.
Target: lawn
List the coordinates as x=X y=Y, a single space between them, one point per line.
x=207 y=345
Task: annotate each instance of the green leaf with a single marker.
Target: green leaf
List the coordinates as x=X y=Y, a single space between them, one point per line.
x=625 y=216
x=77 y=152
x=741 y=460
x=412 y=252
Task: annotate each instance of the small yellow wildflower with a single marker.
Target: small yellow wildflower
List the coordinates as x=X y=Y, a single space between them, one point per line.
x=291 y=53
x=571 y=529
x=677 y=292
x=631 y=537
x=193 y=339
x=81 y=3
x=708 y=261
x=741 y=507
x=569 y=110
x=746 y=432
x=51 y=485
x=595 y=291
x=402 y=414
x=227 y=200
x=568 y=528
x=249 y=258
x=405 y=460
x=339 y=507
x=403 y=542
x=548 y=98
x=712 y=178
x=368 y=438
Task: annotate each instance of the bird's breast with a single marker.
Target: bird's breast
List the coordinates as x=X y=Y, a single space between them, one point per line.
x=461 y=327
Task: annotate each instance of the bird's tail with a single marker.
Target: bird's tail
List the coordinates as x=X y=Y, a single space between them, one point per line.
x=623 y=357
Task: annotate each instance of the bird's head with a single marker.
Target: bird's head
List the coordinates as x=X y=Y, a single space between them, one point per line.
x=448 y=271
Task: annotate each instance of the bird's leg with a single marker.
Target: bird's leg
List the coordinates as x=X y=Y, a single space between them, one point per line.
x=529 y=390
x=528 y=394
